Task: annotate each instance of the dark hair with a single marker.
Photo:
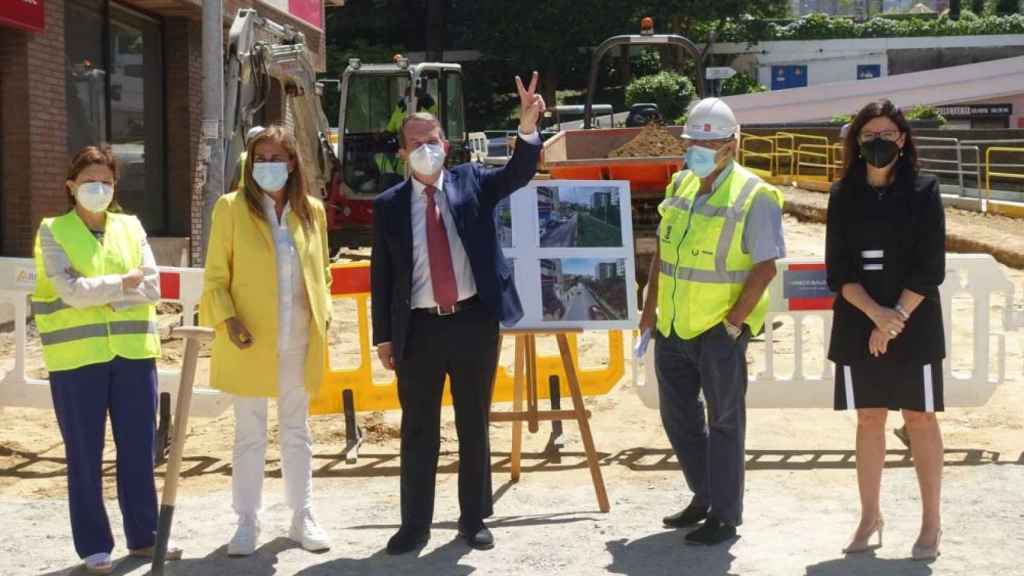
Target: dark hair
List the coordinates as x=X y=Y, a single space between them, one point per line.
x=854 y=166
x=98 y=155
x=295 y=188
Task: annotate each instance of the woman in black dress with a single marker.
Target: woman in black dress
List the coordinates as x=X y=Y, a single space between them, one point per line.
x=885 y=253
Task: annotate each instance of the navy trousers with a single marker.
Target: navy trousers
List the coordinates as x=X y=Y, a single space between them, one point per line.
x=127 y=389
x=711 y=453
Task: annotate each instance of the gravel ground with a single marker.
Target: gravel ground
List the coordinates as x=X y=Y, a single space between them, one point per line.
x=801 y=500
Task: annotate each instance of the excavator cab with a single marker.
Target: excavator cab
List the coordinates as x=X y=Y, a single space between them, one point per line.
x=375 y=98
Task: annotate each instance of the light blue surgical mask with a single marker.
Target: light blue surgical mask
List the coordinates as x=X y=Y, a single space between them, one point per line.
x=271 y=176
x=700 y=160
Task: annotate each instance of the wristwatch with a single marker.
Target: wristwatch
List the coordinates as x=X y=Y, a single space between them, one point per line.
x=733 y=331
x=902 y=311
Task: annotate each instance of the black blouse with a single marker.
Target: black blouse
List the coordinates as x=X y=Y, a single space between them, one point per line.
x=887 y=241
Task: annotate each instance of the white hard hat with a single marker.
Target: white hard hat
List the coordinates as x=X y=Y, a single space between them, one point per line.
x=710 y=119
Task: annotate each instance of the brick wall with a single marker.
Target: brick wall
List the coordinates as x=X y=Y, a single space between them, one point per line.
x=183 y=57
x=33 y=123
x=33 y=129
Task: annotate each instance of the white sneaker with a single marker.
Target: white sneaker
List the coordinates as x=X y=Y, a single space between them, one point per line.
x=243 y=543
x=307 y=533
x=99 y=564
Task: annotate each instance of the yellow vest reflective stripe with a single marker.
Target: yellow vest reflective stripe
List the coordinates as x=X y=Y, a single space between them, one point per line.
x=75 y=337
x=703 y=267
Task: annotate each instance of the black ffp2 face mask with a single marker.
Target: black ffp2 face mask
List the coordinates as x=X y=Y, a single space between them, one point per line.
x=878 y=152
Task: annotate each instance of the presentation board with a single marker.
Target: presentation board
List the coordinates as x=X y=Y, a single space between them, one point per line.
x=570 y=244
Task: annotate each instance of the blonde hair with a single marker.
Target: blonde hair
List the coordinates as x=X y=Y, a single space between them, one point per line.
x=295 y=188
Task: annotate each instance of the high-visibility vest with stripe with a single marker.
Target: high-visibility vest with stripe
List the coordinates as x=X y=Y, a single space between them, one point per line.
x=76 y=337
x=703 y=266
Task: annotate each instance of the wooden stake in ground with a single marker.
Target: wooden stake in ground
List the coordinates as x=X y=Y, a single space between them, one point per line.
x=194 y=339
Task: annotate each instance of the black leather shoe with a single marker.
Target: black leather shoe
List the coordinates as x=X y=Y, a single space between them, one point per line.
x=408 y=539
x=479 y=539
x=687 y=517
x=712 y=532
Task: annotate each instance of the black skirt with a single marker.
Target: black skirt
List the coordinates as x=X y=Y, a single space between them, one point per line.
x=885 y=382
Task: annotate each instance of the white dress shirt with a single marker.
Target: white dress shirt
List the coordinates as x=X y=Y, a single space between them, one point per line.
x=422 y=289
x=293 y=313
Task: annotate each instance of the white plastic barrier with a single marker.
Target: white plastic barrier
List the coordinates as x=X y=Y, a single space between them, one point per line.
x=17 y=281
x=799 y=293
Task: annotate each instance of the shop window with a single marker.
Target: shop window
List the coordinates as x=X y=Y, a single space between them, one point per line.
x=114 y=70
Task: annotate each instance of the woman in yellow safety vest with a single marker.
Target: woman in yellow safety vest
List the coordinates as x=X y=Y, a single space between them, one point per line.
x=266 y=294
x=94 y=306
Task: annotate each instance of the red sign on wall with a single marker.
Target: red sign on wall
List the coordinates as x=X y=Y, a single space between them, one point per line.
x=24 y=14
x=308 y=10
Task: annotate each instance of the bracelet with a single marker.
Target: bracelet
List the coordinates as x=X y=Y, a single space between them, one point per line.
x=902 y=311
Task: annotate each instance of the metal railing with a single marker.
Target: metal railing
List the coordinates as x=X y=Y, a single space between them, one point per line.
x=967 y=166
x=989 y=173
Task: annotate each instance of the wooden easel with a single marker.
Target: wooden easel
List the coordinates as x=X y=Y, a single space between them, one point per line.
x=525 y=383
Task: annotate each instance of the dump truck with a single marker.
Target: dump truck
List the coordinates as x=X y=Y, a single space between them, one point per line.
x=585 y=154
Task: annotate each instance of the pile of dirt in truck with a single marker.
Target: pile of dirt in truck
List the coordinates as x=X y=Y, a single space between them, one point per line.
x=652 y=141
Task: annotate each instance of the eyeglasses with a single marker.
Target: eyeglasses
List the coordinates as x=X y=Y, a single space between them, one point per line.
x=887 y=135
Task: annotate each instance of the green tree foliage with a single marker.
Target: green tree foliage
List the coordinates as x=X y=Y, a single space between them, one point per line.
x=696 y=17
x=741 y=83
x=921 y=112
x=1007 y=7
x=545 y=35
x=978 y=7
x=671 y=92
x=646 y=63
x=823 y=27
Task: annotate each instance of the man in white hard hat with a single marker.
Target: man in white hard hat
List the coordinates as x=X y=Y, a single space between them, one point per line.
x=719 y=236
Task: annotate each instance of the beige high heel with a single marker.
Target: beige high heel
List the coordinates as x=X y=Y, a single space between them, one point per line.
x=863 y=545
x=923 y=553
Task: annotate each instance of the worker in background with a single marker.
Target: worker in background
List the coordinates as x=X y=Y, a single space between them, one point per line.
x=265 y=292
x=719 y=236
x=94 y=305
x=391 y=162
x=885 y=257
x=440 y=286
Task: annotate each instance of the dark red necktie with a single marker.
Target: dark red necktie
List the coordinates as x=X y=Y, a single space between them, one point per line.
x=442 y=273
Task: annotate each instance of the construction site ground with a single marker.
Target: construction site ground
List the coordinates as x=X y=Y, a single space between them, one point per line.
x=801 y=492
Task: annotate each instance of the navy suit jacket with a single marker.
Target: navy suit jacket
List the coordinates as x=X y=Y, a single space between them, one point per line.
x=473 y=192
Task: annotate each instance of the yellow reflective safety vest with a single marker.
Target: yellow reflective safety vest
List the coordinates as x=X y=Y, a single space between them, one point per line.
x=75 y=337
x=703 y=266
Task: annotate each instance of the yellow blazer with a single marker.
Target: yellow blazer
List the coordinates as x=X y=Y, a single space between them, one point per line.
x=240 y=280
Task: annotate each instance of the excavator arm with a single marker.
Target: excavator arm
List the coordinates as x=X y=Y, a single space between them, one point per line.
x=259 y=52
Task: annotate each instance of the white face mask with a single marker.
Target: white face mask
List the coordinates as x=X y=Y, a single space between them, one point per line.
x=270 y=176
x=94 y=196
x=427 y=160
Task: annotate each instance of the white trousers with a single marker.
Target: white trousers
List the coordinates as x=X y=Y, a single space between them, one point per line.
x=294 y=438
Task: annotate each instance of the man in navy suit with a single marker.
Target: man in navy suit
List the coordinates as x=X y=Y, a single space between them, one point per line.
x=440 y=287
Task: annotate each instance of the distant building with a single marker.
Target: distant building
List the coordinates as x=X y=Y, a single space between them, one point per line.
x=606 y=271
x=600 y=200
x=550 y=271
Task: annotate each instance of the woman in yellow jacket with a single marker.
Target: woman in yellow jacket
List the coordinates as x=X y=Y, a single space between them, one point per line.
x=266 y=295
x=94 y=308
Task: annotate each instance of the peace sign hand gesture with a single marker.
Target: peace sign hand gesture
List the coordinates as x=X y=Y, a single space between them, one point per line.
x=531 y=105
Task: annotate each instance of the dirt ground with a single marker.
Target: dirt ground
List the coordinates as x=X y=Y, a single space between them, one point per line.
x=801 y=495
